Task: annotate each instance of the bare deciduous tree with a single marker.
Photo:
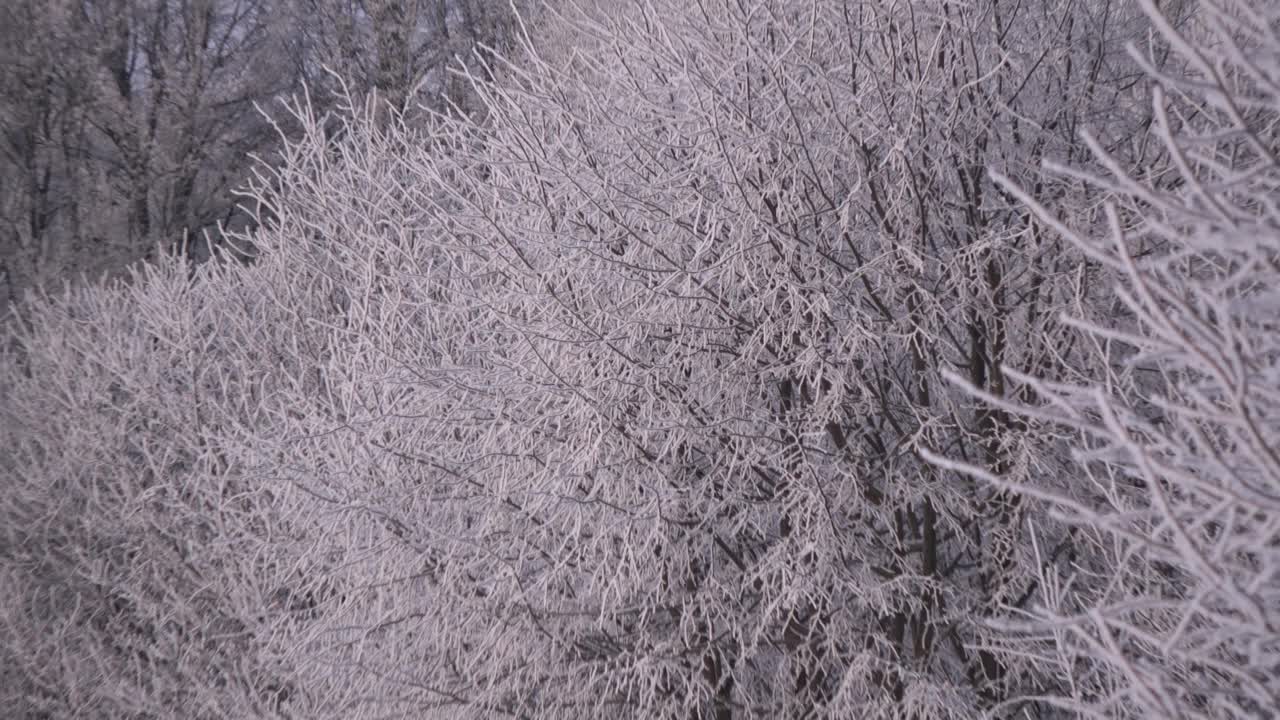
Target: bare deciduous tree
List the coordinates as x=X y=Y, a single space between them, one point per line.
x=127 y=123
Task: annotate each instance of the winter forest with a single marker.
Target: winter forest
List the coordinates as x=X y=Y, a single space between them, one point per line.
x=689 y=359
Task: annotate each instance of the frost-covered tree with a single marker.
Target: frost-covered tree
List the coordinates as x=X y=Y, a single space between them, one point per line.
x=658 y=335
x=179 y=538
x=143 y=569
x=609 y=398
x=1171 y=607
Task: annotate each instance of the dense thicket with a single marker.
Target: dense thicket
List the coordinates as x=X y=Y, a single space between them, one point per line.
x=701 y=370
